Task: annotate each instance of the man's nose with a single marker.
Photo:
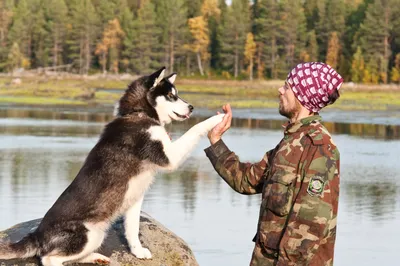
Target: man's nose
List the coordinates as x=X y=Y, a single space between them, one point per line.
x=281 y=90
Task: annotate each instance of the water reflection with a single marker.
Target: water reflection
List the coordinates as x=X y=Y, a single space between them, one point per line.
x=377 y=200
x=103 y=115
x=40 y=155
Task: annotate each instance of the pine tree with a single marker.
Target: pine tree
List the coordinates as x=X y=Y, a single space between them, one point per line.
x=311 y=13
x=236 y=28
x=16 y=59
x=353 y=20
x=146 y=56
x=171 y=16
x=312 y=46
x=40 y=51
x=215 y=29
x=293 y=28
x=133 y=5
x=249 y=52
x=56 y=13
x=6 y=15
x=357 y=66
x=332 y=18
x=127 y=47
x=193 y=8
x=83 y=33
x=105 y=10
x=5 y=20
x=267 y=34
x=395 y=44
x=21 y=28
x=212 y=12
x=375 y=35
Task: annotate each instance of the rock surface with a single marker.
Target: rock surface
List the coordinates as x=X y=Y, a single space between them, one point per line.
x=167 y=249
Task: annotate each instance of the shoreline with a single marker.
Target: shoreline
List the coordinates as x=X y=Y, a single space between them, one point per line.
x=100 y=90
x=104 y=113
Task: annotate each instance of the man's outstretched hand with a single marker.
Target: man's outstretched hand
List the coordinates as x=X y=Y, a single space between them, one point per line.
x=216 y=133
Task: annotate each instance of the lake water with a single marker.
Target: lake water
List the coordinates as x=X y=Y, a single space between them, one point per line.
x=42 y=150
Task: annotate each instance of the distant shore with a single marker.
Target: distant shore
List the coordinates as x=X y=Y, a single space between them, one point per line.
x=95 y=90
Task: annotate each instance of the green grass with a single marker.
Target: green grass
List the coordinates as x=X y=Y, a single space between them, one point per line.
x=40 y=100
x=201 y=93
x=234 y=91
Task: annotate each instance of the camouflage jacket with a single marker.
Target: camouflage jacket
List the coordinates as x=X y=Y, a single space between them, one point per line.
x=299 y=182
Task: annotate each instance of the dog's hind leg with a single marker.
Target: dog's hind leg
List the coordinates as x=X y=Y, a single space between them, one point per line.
x=76 y=245
x=95 y=258
x=51 y=261
x=132 y=221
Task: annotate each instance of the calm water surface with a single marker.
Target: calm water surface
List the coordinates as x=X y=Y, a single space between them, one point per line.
x=42 y=151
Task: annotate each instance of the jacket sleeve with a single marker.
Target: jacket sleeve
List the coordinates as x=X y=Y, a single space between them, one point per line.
x=245 y=178
x=311 y=228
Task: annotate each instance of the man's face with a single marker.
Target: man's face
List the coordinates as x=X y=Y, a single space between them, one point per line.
x=289 y=106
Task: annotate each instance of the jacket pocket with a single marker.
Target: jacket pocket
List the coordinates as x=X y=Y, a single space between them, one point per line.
x=280 y=197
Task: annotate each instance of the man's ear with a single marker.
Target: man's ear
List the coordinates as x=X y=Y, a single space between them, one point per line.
x=171 y=78
x=156 y=77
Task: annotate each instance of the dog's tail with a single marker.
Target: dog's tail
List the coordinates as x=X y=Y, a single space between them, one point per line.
x=25 y=248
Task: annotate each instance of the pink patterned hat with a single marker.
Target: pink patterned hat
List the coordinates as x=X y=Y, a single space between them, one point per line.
x=312 y=83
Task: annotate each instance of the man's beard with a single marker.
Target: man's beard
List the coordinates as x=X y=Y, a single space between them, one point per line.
x=291 y=112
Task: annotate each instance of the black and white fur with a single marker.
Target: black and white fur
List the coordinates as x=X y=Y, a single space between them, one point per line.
x=115 y=176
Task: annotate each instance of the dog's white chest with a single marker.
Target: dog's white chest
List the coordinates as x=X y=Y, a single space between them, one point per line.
x=137 y=186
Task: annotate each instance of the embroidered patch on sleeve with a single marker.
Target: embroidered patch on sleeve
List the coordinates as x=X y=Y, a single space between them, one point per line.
x=316 y=186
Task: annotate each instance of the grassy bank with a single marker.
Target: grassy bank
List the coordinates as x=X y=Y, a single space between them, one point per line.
x=201 y=93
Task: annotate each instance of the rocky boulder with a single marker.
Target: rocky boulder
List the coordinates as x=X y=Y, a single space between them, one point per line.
x=167 y=249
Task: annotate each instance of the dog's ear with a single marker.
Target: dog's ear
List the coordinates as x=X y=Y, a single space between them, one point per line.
x=156 y=77
x=171 y=78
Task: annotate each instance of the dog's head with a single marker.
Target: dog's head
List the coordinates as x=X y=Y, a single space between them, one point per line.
x=157 y=96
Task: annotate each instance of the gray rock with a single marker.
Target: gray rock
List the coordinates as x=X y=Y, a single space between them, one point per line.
x=167 y=249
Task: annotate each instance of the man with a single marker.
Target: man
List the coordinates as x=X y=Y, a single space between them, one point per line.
x=298 y=179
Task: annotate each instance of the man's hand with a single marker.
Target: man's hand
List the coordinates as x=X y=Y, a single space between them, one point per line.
x=216 y=133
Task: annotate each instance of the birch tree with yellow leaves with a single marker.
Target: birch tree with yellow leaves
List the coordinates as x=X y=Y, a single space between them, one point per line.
x=199 y=30
x=112 y=36
x=395 y=73
x=332 y=56
x=249 y=53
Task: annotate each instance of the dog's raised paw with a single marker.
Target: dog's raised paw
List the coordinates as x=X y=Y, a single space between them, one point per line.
x=141 y=253
x=215 y=120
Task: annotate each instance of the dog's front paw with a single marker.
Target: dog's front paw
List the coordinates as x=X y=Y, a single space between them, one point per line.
x=141 y=253
x=214 y=120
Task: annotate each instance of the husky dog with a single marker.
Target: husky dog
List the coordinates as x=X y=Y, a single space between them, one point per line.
x=114 y=177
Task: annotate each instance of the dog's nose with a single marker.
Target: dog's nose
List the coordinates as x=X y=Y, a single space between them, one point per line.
x=191 y=108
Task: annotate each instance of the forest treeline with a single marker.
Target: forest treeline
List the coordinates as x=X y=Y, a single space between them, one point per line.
x=242 y=39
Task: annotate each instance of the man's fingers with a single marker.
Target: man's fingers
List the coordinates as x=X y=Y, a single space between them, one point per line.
x=225 y=108
x=229 y=115
x=227 y=125
x=228 y=108
x=222 y=125
x=226 y=122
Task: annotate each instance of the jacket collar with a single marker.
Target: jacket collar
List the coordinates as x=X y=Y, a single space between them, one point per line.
x=291 y=128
